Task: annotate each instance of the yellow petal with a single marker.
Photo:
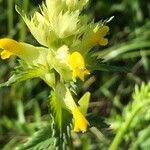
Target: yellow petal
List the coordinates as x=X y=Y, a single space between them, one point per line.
x=97 y=37
x=78 y=65
x=103 y=41
x=80 y=123
x=29 y=53
x=10 y=47
x=5 y=54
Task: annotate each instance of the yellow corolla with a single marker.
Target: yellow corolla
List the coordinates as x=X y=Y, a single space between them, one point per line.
x=10 y=47
x=98 y=36
x=80 y=122
x=78 y=65
x=30 y=54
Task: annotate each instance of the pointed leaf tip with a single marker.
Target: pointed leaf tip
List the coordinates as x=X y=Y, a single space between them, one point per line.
x=84 y=102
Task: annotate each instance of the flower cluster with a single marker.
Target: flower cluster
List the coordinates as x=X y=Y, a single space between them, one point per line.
x=66 y=36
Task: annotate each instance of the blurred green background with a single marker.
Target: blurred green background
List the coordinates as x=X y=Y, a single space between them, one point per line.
x=23 y=106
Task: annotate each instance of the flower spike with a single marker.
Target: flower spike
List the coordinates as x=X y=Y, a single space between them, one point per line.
x=59 y=27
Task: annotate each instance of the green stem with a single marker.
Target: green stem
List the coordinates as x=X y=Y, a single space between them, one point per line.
x=10 y=17
x=22 y=34
x=119 y=136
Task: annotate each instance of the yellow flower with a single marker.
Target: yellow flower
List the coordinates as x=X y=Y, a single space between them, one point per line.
x=80 y=123
x=30 y=54
x=10 y=47
x=5 y=54
x=78 y=65
x=98 y=36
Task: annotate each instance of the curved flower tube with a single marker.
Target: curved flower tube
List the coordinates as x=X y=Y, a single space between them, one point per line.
x=30 y=54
